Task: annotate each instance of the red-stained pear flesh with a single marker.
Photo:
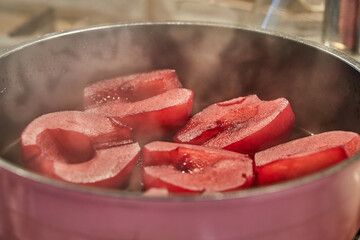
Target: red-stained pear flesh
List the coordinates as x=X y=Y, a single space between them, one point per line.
x=244 y=124
x=151 y=116
x=194 y=169
x=131 y=88
x=80 y=148
x=305 y=155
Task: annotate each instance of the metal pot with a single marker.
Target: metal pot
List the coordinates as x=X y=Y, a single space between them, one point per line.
x=218 y=62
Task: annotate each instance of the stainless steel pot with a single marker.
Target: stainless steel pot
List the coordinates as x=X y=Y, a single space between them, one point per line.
x=218 y=62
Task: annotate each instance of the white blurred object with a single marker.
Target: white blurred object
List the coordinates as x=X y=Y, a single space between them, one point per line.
x=296 y=17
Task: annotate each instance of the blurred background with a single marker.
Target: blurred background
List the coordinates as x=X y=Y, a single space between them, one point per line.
x=331 y=22
x=21 y=20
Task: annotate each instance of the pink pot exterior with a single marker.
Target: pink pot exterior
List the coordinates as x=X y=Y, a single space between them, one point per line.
x=327 y=209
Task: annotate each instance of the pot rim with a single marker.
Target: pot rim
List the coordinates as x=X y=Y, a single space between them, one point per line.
x=244 y=193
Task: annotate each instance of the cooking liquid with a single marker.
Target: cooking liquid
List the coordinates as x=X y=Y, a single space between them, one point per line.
x=12 y=152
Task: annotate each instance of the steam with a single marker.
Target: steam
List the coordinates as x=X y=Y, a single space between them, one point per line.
x=217 y=63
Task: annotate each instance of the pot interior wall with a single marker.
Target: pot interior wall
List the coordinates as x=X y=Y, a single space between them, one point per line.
x=218 y=63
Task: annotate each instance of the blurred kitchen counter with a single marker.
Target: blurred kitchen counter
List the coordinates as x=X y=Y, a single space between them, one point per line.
x=22 y=20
